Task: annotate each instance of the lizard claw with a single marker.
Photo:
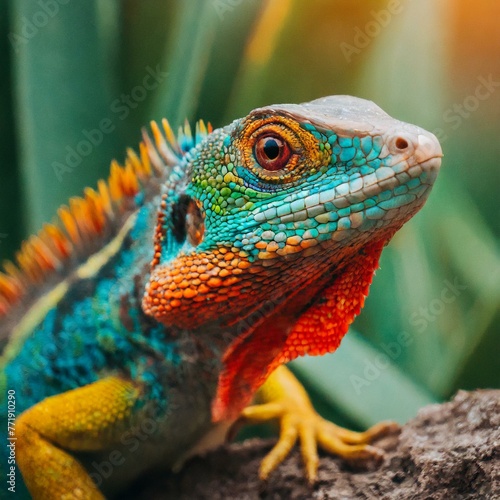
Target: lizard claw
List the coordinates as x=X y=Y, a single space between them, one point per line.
x=305 y=425
x=300 y=421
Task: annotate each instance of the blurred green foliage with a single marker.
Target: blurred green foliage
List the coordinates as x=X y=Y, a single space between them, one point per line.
x=431 y=322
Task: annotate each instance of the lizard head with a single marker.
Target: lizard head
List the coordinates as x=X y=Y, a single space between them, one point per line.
x=276 y=208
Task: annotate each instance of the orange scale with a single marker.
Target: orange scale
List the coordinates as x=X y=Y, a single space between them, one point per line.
x=189 y=293
x=272 y=246
x=266 y=255
x=214 y=282
x=288 y=250
x=308 y=243
x=293 y=240
x=199 y=298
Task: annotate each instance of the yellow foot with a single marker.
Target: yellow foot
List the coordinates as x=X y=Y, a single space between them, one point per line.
x=285 y=399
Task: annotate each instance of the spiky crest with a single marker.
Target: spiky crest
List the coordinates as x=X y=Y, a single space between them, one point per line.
x=90 y=220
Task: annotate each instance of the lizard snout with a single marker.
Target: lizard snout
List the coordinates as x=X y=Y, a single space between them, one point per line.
x=415 y=152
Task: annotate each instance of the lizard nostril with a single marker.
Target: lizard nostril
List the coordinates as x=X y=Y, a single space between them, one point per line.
x=401 y=143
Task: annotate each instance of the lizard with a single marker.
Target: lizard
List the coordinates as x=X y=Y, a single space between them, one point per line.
x=137 y=327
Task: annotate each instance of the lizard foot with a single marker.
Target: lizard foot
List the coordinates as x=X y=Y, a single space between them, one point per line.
x=289 y=403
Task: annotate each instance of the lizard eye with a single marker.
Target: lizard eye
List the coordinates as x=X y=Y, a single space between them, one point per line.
x=272 y=152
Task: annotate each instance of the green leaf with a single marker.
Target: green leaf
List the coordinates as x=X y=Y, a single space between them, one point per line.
x=11 y=214
x=186 y=60
x=64 y=87
x=363 y=382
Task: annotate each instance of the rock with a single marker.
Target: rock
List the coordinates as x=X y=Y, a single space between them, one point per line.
x=449 y=451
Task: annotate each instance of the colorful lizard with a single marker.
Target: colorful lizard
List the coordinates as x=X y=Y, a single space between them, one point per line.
x=138 y=327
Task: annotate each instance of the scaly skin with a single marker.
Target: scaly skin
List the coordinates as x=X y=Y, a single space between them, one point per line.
x=266 y=236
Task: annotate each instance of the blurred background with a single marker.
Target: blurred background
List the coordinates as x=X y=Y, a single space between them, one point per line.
x=79 y=80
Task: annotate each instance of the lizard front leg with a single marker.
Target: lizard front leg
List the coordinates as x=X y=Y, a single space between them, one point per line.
x=283 y=397
x=89 y=418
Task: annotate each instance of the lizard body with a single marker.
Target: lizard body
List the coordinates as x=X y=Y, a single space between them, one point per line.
x=165 y=299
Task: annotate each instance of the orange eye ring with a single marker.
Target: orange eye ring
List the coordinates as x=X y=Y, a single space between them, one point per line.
x=272 y=152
